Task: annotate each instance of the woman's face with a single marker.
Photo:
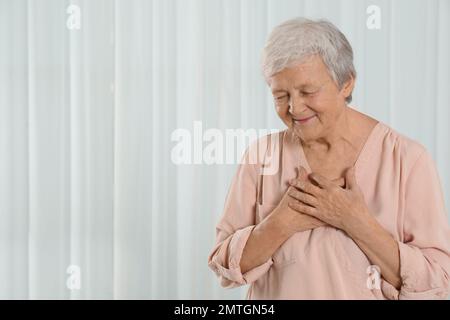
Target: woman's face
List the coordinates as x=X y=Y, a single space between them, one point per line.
x=307 y=91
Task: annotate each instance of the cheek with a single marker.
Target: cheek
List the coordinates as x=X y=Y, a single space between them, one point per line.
x=324 y=106
x=317 y=106
x=329 y=100
x=283 y=112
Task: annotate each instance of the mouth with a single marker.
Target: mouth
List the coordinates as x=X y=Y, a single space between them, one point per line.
x=303 y=120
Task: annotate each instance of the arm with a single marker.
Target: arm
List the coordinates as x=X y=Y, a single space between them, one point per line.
x=243 y=250
x=419 y=267
x=235 y=227
x=416 y=267
x=425 y=248
x=345 y=208
x=379 y=246
x=263 y=241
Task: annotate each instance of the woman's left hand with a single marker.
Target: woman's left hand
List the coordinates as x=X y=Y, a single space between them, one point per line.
x=343 y=208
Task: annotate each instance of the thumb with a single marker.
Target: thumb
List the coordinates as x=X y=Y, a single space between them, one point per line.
x=350 y=179
x=302 y=174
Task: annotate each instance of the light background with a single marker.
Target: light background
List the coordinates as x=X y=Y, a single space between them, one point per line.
x=86 y=118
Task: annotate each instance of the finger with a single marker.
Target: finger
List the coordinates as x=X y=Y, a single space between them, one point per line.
x=323 y=182
x=303 y=197
x=302 y=208
x=350 y=179
x=306 y=186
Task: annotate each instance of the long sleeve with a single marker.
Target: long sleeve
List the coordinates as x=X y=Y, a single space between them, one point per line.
x=425 y=251
x=235 y=227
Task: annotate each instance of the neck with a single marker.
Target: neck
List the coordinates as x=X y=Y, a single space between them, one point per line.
x=337 y=137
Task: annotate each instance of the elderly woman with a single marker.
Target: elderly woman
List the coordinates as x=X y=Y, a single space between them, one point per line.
x=354 y=210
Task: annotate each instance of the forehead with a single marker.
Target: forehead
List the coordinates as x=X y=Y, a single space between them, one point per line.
x=306 y=73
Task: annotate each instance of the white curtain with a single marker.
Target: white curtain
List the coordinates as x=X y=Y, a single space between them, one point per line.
x=87 y=115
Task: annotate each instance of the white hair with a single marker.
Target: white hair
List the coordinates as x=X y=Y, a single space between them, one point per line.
x=299 y=38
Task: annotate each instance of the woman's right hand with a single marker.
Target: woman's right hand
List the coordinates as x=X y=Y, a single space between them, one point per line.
x=293 y=220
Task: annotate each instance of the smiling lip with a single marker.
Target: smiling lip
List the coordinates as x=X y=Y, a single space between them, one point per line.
x=304 y=119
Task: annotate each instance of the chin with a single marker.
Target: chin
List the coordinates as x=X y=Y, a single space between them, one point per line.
x=306 y=134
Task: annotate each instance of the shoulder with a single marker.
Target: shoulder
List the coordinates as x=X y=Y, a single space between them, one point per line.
x=267 y=143
x=401 y=148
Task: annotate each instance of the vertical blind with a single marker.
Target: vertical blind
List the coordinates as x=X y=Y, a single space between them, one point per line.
x=87 y=116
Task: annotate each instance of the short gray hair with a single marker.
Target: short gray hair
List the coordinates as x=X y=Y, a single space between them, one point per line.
x=299 y=38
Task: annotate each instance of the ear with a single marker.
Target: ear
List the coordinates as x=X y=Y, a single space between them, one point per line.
x=348 y=86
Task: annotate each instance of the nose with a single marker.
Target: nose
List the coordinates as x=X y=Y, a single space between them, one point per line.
x=297 y=105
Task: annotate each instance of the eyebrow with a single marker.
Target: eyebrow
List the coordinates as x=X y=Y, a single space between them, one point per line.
x=303 y=86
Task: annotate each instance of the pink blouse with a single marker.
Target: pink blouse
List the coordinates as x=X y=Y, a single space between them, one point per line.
x=402 y=189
